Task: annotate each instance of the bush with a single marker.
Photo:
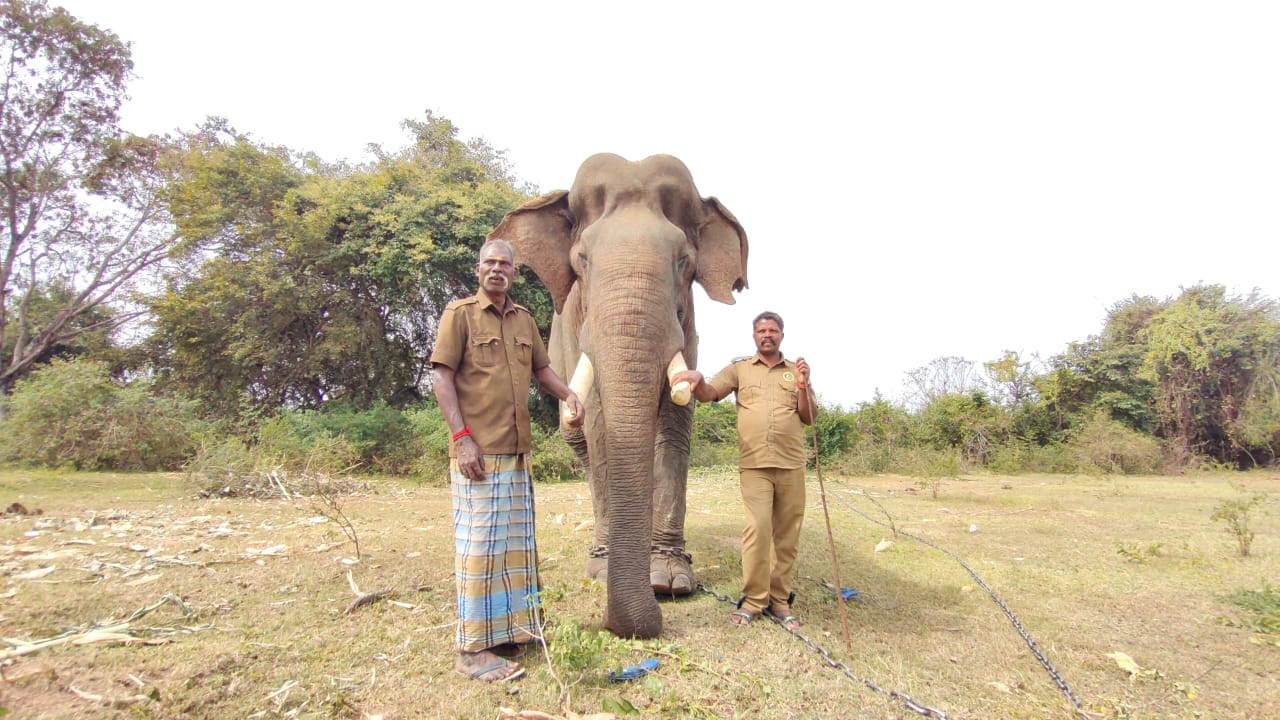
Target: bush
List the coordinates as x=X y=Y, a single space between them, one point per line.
x=552 y=458
x=74 y=414
x=432 y=437
x=1106 y=446
x=378 y=440
x=714 y=440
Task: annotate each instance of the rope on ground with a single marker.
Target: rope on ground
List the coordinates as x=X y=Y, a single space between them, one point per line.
x=905 y=699
x=1030 y=641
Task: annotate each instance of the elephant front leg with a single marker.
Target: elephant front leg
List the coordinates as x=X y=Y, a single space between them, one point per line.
x=598 y=557
x=593 y=440
x=670 y=564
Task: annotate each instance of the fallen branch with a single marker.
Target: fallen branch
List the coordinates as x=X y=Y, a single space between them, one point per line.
x=367 y=599
x=363 y=599
x=118 y=632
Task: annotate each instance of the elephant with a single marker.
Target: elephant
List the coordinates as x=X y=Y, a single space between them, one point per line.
x=619 y=252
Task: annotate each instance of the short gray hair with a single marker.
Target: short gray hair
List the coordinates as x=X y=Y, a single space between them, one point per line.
x=767 y=315
x=500 y=243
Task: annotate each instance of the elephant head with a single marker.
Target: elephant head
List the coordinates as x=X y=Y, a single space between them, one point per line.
x=619 y=253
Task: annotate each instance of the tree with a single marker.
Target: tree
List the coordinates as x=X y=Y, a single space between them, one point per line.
x=81 y=216
x=322 y=283
x=1011 y=379
x=1107 y=372
x=941 y=377
x=1214 y=360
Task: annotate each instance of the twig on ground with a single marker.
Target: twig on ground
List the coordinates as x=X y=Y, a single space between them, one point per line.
x=104 y=700
x=363 y=599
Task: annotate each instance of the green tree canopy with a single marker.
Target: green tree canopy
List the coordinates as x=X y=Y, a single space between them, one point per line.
x=323 y=282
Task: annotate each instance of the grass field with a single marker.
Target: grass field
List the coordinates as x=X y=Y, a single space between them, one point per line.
x=154 y=603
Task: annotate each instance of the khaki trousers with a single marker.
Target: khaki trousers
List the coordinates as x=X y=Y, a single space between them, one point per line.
x=774 y=501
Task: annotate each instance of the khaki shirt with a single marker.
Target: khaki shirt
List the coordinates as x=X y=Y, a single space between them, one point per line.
x=770 y=434
x=493 y=355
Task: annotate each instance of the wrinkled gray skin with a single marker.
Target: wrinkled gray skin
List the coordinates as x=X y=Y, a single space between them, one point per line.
x=619 y=252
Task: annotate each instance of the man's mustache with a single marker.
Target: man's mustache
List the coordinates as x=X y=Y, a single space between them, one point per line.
x=497 y=276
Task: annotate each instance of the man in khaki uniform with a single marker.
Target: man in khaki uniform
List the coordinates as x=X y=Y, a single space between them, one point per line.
x=487 y=349
x=774 y=403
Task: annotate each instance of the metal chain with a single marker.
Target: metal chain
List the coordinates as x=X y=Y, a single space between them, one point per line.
x=905 y=699
x=1031 y=643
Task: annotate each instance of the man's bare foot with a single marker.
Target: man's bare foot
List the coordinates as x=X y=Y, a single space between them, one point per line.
x=486 y=666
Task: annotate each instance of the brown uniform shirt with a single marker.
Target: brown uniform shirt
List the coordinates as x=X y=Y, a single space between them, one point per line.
x=770 y=434
x=493 y=355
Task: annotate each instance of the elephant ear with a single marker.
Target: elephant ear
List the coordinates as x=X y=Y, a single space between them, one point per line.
x=541 y=231
x=722 y=252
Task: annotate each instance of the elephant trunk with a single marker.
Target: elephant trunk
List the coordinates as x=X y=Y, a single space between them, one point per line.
x=629 y=379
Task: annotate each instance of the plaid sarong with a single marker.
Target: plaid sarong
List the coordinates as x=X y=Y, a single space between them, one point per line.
x=495 y=553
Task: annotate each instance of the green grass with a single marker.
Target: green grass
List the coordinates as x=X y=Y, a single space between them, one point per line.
x=267 y=635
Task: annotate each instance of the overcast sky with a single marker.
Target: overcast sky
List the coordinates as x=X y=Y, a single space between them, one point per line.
x=917 y=179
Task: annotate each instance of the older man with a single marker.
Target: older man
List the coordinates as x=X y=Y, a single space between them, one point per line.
x=487 y=348
x=774 y=402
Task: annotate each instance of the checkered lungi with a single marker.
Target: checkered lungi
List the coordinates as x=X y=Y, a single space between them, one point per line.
x=495 y=554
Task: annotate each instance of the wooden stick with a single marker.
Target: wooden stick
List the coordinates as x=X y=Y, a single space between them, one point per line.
x=831 y=541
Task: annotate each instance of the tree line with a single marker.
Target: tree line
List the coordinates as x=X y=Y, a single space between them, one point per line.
x=206 y=300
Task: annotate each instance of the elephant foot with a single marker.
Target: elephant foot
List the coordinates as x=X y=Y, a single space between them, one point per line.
x=598 y=565
x=671 y=571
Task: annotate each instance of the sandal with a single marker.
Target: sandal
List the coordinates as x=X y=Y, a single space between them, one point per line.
x=742 y=617
x=790 y=622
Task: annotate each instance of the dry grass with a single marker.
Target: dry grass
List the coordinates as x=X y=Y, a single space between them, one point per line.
x=260 y=629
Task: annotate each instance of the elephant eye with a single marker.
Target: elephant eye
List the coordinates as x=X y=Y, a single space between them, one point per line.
x=583 y=264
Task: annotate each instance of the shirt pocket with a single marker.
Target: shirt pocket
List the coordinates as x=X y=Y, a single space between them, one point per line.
x=524 y=349
x=486 y=349
x=788 y=393
x=750 y=395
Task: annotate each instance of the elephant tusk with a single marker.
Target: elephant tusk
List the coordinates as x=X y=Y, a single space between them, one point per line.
x=681 y=391
x=583 y=377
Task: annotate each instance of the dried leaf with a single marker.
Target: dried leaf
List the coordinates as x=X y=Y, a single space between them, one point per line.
x=1125 y=662
x=883 y=545
x=584 y=525
x=37 y=573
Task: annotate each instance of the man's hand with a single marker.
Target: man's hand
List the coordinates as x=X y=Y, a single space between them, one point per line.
x=802 y=371
x=693 y=377
x=577 y=414
x=470 y=458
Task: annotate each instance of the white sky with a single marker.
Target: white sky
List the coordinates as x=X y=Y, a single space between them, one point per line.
x=917 y=179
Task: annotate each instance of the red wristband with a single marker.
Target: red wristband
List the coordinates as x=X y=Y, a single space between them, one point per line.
x=801 y=387
x=461 y=434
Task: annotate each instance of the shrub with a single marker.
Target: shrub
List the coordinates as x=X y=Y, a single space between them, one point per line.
x=1235 y=513
x=380 y=439
x=1108 y=447
x=714 y=440
x=74 y=414
x=431 y=434
x=552 y=459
